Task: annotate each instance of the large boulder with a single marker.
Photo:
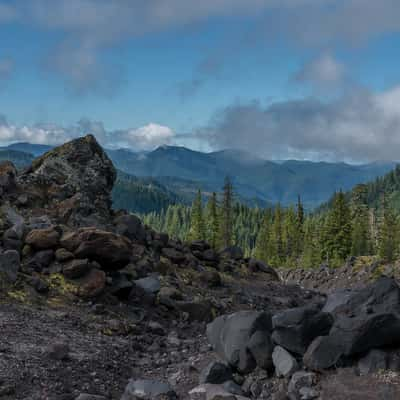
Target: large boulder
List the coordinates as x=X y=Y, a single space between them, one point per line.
x=369 y=319
x=131 y=226
x=296 y=328
x=230 y=336
x=259 y=266
x=74 y=180
x=42 y=239
x=110 y=250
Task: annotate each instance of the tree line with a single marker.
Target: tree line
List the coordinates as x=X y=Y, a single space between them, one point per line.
x=350 y=224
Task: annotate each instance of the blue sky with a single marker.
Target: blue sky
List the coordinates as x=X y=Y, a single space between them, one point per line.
x=314 y=79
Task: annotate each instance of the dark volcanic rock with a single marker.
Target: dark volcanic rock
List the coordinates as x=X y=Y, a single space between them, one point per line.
x=230 y=336
x=130 y=226
x=76 y=268
x=295 y=329
x=285 y=364
x=215 y=372
x=9 y=266
x=43 y=239
x=259 y=266
x=110 y=250
x=232 y=252
x=8 y=174
x=75 y=180
x=369 y=319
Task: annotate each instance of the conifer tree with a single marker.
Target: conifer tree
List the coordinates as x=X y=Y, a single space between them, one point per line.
x=197 y=228
x=311 y=255
x=276 y=248
x=299 y=238
x=388 y=234
x=212 y=221
x=337 y=231
x=361 y=243
x=290 y=236
x=262 y=244
x=227 y=214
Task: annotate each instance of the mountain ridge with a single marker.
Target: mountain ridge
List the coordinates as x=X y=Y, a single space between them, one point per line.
x=265 y=181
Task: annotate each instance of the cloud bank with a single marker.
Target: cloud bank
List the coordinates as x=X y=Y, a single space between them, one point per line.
x=361 y=126
x=147 y=137
x=356 y=127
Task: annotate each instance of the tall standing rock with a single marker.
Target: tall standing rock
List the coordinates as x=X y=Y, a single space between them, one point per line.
x=73 y=181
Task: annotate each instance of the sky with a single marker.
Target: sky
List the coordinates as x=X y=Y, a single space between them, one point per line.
x=304 y=79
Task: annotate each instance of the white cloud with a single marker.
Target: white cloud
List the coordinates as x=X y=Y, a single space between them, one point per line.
x=147 y=137
x=358 y=126
x=323 y=71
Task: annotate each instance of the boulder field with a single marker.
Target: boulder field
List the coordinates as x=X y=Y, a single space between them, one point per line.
x=94 y=305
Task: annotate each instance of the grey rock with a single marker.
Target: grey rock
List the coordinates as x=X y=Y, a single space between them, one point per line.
x=259 y=266
x=285 y=364
x=261 y=347
x=307 y=393
x=86 y=396
x=337 y=299
x=230 y=336
x=299 y=380
x=148 y=390
x=151 y=284
x=216 y=373
x=41 y=260
x=209 y=391
x=232 y=252
x=233 y=388
x=296 y=328
x=9 y=266
x=130 y=226
x=76 y=268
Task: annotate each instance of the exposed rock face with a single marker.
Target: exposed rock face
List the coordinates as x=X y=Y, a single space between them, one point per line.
x=75 y=180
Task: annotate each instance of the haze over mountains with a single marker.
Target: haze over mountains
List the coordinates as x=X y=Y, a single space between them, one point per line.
x=256 y=181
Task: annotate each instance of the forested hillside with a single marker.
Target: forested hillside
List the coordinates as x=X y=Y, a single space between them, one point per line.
x=142 y=195
x=363 y=222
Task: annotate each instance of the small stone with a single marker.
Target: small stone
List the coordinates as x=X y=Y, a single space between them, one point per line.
x=63 y=255
x=148 y=390
x=216 y=373
x=285 y=364
x=76 y=269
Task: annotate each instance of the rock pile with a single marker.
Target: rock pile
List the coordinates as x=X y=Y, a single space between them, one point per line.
x=361 y=330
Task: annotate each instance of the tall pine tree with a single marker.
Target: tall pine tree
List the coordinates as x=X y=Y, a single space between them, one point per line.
x=227 y=214
x=388 y=234
x=197 y=229
x=212 y=221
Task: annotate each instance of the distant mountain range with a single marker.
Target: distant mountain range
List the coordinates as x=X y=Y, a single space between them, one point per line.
x=256 y=181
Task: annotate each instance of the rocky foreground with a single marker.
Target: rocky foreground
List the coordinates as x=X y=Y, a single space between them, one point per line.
x=95 y=306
